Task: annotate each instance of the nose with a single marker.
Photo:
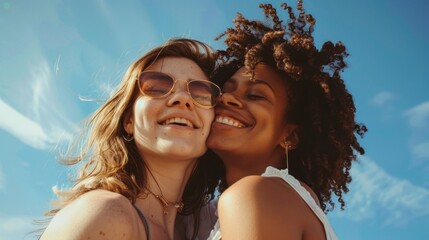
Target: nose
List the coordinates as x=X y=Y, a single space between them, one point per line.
x=180 y=96
x=229 y=99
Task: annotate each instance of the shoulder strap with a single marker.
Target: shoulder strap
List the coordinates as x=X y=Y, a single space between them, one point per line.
x=306 y=196
x=144 y=221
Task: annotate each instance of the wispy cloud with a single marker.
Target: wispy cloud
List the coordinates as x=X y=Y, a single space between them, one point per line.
x=384 y=102
x=421 y=150
x=44 y=125
x=25 y=129
x=16 y=227
x=375 y=193
x=418 y=116
x=418 y=119
x=383 y=98
x=47 y=102
x=41 y=79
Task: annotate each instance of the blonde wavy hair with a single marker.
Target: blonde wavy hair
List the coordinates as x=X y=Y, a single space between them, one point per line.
x=111 y=163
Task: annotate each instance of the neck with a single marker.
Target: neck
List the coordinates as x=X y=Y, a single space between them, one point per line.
x=238 y=166
x=166 y=180
x=234 y=173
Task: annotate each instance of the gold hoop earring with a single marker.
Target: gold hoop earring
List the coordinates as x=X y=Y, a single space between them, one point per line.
x=128 y=138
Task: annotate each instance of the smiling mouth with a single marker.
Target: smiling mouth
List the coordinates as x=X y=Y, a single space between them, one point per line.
x=178 y=121
x=229 y=121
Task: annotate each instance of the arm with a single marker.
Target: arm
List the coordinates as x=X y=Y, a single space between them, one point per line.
x=95 y=215
x=261 y=208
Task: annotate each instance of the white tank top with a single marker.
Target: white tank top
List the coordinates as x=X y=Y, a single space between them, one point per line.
x=305 y=195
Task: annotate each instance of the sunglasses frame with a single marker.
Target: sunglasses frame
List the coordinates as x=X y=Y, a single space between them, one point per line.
x=187 y=88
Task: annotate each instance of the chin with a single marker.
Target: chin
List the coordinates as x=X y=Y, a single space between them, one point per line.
x=219 y=143
x=187 y=152
x=221 y=147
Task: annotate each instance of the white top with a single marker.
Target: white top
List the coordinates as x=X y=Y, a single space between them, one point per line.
x=305 y=195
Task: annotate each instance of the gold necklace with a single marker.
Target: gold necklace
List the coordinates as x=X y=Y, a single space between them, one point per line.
x=165 y=203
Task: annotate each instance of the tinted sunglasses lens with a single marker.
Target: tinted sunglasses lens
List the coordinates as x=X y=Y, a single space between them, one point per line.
x=204 y=92
x=155 y=84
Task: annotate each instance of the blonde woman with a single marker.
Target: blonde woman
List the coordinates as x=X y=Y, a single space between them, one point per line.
x=145 y=159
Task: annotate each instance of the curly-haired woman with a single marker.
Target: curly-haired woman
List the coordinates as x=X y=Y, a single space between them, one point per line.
x=285 y=114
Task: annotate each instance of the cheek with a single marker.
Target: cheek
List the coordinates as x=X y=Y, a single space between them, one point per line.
x=144 y=111
x=142 y=105
x=207 y=117
x=268 y=123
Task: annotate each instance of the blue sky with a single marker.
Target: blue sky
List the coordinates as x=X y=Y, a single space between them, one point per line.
x=54 y=53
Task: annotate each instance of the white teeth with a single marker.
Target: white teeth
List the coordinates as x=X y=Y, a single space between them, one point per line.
x=181 y=121
x=229 y=121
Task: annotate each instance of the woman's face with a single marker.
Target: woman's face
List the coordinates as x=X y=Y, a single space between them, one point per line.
x=250 y=118
x=171 y=126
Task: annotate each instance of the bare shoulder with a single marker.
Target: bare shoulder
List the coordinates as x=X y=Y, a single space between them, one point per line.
x=102 y=203
x=258 y=190
x=266 y=207
x=98 y=214
x=248 y=192
x=266 y=187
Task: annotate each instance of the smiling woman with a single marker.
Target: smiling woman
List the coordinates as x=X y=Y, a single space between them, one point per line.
x=285 y=114
x=145 y=158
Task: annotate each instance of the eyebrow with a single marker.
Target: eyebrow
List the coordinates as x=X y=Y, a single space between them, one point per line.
x=259 y=81
x=256 y=81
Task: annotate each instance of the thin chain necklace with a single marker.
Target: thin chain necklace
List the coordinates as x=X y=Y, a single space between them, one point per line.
x=165 y=203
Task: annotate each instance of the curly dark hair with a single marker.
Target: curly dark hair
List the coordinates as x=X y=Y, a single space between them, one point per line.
x=319 y=102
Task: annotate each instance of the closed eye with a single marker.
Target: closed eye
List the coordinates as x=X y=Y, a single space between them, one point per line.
x=255 y=97
x=156 y=90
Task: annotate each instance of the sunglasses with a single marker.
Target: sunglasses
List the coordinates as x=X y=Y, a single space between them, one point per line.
x=157 y=85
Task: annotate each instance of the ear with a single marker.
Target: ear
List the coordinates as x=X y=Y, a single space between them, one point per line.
x=290 y=136
x=128 y=122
